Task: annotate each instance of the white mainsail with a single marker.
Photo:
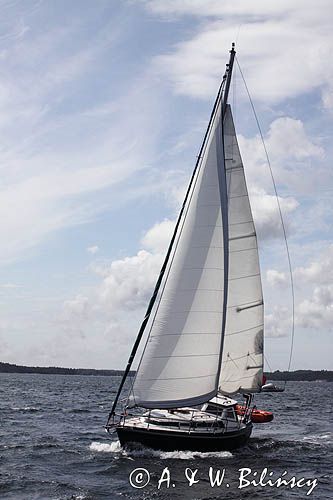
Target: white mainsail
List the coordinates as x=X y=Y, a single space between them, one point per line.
x=181 y=361
x=207 y=332
x=242 y=363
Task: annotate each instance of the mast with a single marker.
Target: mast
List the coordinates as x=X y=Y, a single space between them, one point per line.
x=224 y=213
x=222 y=93
x=228 y=75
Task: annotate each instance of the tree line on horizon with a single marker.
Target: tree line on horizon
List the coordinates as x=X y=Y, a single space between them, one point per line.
x=297 y=375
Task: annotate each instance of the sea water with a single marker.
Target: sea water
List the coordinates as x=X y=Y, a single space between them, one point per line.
x=53 y=446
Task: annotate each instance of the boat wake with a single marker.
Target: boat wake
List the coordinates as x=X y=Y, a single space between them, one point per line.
x=255 y=445
x=189 y=455
x=115 y=447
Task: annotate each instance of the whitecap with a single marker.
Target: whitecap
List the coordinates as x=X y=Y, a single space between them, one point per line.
x=113 y=447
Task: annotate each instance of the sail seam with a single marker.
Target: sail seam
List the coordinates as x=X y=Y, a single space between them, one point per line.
x=203 y=268
x=239 y=223
x=185 y=356
x=208 y=225
x=184 y=333
x=238 y=196
x=200 y=205
x=196 y=311
x=230 y=251
x=251 y=235
x=199 y=290
x=245 y=330
x=243 y=249
x=236 y=380
x=206 y=246
x=178 y=378
x=243 y=277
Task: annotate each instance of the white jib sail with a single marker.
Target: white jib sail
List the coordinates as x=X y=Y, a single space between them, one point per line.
x=181 y=362
x=242 y=363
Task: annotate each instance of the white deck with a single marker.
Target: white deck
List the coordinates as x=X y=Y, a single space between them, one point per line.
x=184 y=419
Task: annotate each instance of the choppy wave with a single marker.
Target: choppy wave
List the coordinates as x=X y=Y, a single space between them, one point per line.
x=77 y=410
x=322 y=439
x=260 y=445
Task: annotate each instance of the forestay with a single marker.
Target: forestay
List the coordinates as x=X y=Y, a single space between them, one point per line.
x=181 y=361
x=242 y=364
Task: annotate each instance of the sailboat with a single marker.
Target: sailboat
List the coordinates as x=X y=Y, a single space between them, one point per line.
x=201 y=339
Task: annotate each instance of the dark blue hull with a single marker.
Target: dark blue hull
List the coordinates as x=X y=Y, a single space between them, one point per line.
x=169 y=440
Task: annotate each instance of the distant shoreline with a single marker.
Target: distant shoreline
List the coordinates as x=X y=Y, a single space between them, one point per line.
x=298 y=375
x=55 y=370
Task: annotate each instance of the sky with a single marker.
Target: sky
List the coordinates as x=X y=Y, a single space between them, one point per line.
x=103 y=107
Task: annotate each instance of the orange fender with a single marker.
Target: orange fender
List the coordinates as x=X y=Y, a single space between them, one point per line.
x=257 y=416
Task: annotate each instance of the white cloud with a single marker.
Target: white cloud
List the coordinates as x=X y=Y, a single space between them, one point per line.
x=76 y=307
x=209 y=8
x=267 y=37
x=278 y=323
x=315 y=291
x=100 y=323
x=114 y=308
x=287 y=139
x=317 y=312
x=130 y=281
x=290 y=151
x=319 y=271
x=158 y=237
x=93 y=249
x=276 y=278
x=266 y=213
x=292 y=155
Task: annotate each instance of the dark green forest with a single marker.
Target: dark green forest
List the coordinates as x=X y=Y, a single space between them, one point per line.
x=55 y=370
x=298 y=375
